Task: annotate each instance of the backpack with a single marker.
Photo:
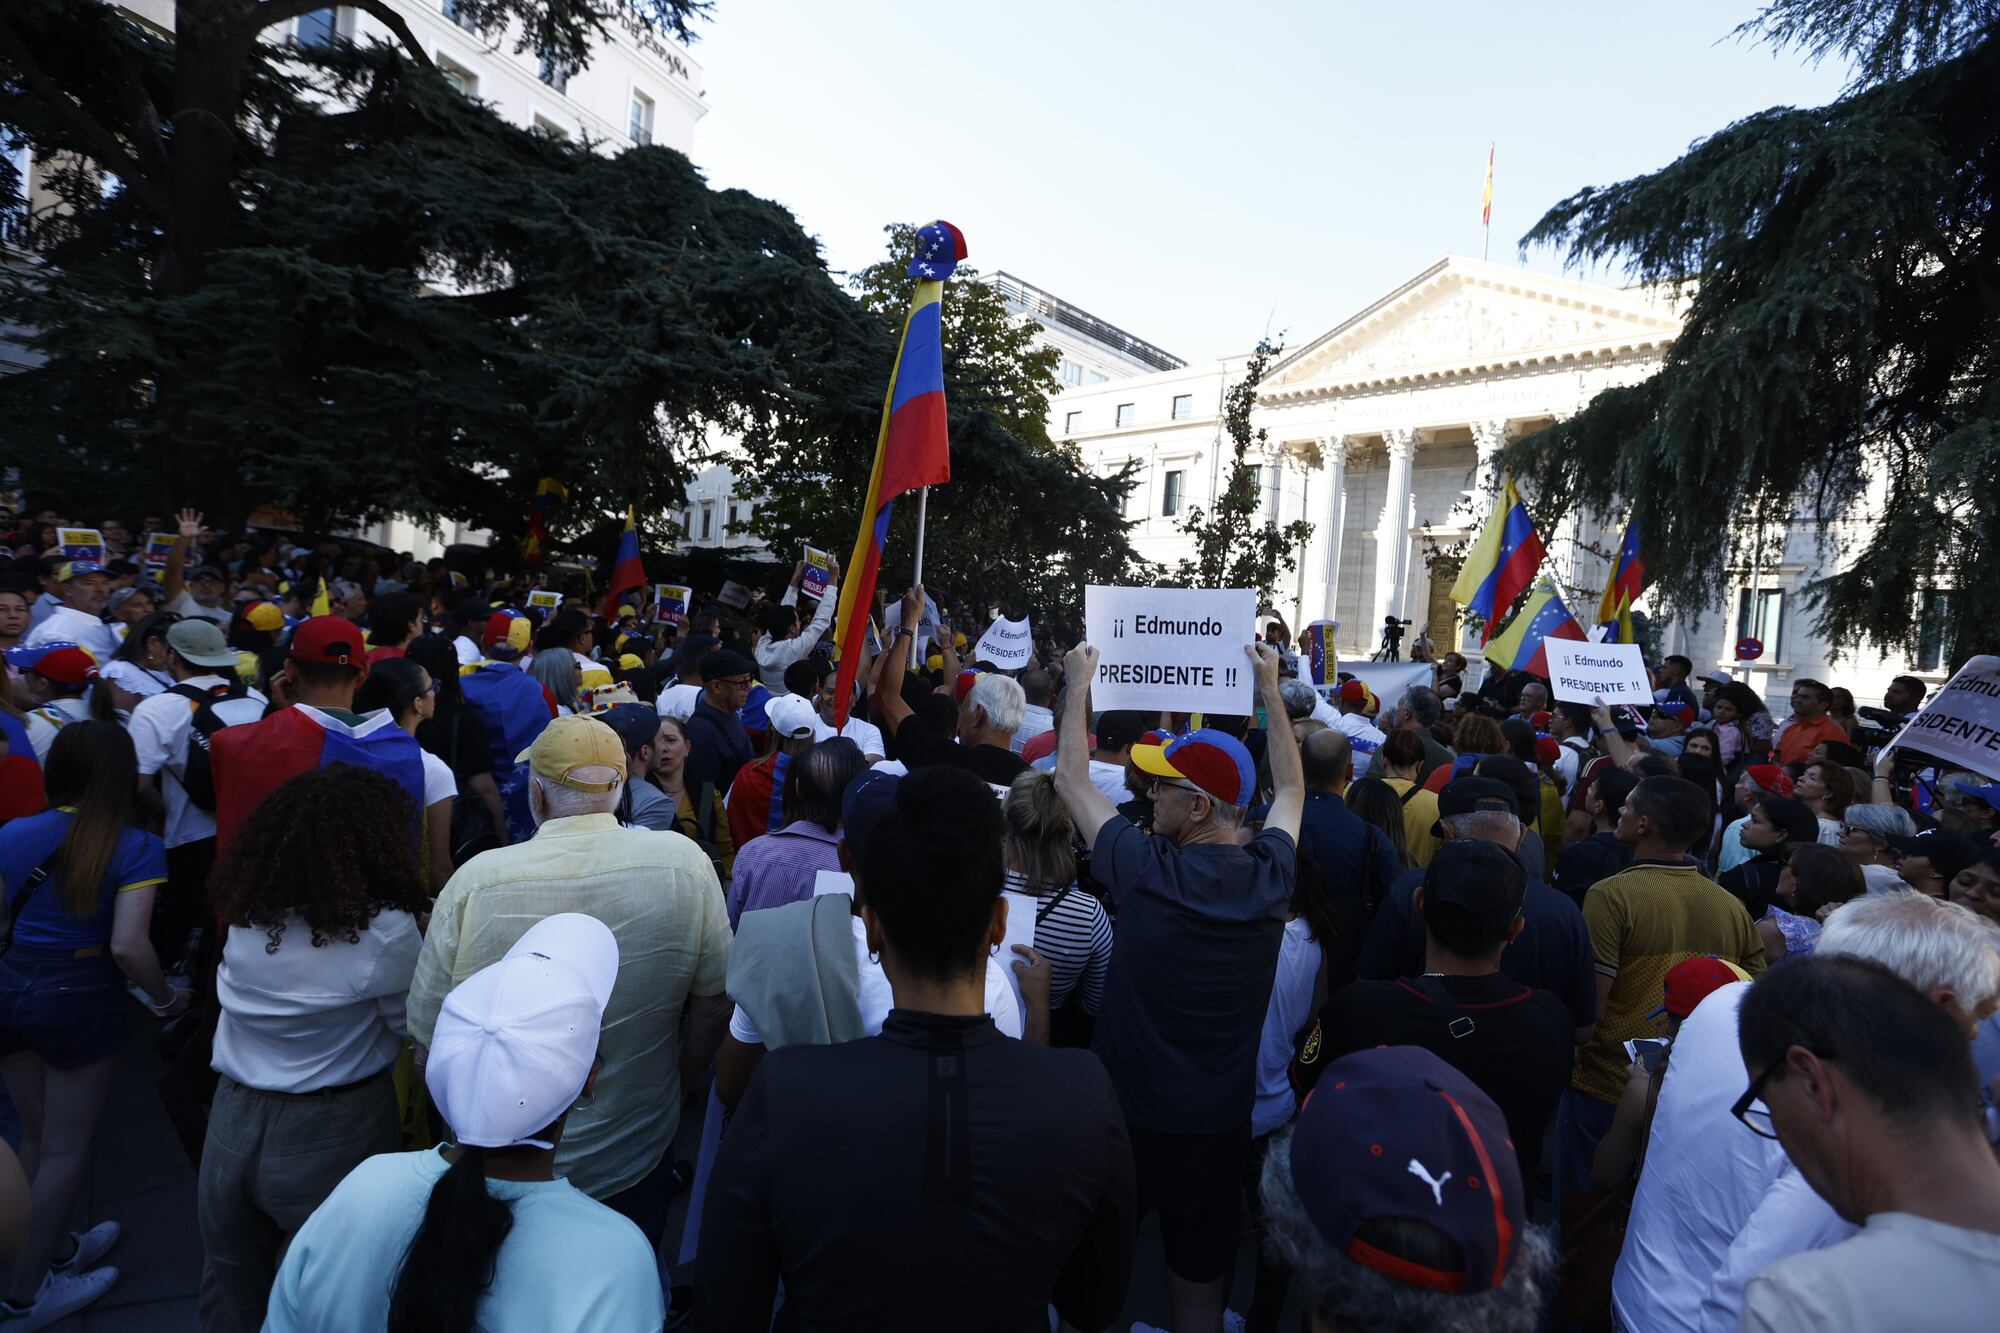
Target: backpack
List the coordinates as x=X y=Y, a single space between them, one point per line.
x=197 y=775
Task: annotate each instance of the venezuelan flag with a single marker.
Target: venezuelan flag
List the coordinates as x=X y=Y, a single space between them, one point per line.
x=254 y=759
x=1543 y=617
x=538 y=533
x=1501 y=563
x=627 y=574
x=1316 y=647
x=912 y=449
x=1622 y=588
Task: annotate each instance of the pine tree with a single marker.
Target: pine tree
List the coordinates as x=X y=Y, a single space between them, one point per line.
x=1841 y=355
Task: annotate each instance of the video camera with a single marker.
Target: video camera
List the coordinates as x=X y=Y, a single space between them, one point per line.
x=1887 y=724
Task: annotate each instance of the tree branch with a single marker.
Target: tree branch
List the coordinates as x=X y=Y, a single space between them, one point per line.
x=147 y=144
x=102 y=144
x=272 y=12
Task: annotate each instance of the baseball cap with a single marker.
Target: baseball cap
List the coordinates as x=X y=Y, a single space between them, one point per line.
x=205 y=572
x=1212 y=760
x=1548 y=750
x=792 y=715
x=265 y=616
x=1692 y=980
x=963 y=685
x=1461 y=796
x=1680 y=713
x=570 y=743
x=634 y=723
x=868 y=797
x=1117 y=729
x=1395 y=1133
x=1716 y=678
x=200 y=642
x=65 y=664
x=76 y=569
x=23 y=658
x=332 y=639
x=1478 y=879
x=1771 y=778
x=1353 y=692
x=508 y=629
x=1988 y=792
x=1948 y=852
x=723 y=662
x=1541 y=719
x=515 y=1041
x=124 y=595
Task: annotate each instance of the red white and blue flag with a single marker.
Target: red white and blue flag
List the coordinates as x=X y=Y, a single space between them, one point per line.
x=912 y=449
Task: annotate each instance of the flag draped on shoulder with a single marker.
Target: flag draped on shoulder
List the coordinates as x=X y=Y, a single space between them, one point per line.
x=627 y=573
x=1501 y=563
x=1622 y=588
x=1542 y=617
x=912 y=448
x=254 y=759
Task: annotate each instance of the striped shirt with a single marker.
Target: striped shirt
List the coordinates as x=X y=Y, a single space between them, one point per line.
x=1075 y=935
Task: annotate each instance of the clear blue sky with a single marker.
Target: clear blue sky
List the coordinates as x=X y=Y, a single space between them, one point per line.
x=1196 y=173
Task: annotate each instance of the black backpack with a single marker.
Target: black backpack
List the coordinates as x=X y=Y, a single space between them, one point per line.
x=197 y=776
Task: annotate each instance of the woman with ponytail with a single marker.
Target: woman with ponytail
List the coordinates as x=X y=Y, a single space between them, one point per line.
x=480 y=1234
x=78 y=881
x=1072 y=929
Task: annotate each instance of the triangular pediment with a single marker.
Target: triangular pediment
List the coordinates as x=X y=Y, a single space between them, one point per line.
x=1466 y=316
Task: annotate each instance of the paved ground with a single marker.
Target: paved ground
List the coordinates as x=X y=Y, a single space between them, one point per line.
x=140 y=1176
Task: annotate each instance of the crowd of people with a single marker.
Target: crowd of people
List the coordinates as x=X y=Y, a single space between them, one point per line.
x=1466 y=1009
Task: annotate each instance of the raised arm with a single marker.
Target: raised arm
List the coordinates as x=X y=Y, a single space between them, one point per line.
x=889 y=704
x=1615 y=745
x=174 y=579
x=1088 y=807
x=1288 y=778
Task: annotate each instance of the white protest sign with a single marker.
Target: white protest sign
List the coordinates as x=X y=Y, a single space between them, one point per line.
x=733 y=594
x=1007 y=644
x=1172 y=648
x=1960 y=724
x=927 y=624
x=1583 y=673
x=544 y=599
x=1390 y=681
x=1020 y=930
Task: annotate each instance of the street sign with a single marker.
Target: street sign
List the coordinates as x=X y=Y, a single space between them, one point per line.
x=1749 y=649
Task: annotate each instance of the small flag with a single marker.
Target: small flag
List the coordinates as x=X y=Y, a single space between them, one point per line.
x=1544 y=616
x=538 y=531
x=1622 y=588
x=1316 y=650
x=1486 y=196
x=1501 y=563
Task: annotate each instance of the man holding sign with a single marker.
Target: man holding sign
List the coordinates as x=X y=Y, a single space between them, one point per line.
x=1200 y=920
x=783 y=644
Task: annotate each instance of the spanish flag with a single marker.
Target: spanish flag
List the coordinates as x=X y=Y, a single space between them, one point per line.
x=1486 y=196
x=912 y=449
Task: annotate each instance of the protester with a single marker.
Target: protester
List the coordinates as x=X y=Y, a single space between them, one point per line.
x=484 y=1233
x=1585 y=861
x=756 y=799
x=409 y=694
x=1072 y=929
x=782 y=866
x=79 y=882
x=1419 y=711
x=1200 y=926
x=1865 y=831
x=1753 y=785
x=660 y=897
x=681 y=683
x=983 y=1181
x=138 y=669
x=1358 y=858
x=394 y=623
x=989 y=713
x=1808 y=725
x=717 y=743
x=320 y=895
x=1117 y=731
x=83 y=589
x=645 y=734
x=1977 y=886
x=1396 y=1205
x=784 y=643
x=1778 y=826
x=1037 y=718
x=456 y=733
x=60 y=675
x=13 y=616
x=1403 y=761
x=1475 y=737
x=1813 y=879
x=1869 y=1087
x=1375 y=803
x=1827 y=788
x=554 y=669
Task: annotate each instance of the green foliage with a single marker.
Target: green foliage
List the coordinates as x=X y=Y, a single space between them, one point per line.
x=1840 y=362
x=1233 y=546
x=1023 y=522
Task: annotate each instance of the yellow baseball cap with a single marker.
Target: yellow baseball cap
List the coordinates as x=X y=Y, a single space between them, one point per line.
x=571 y=743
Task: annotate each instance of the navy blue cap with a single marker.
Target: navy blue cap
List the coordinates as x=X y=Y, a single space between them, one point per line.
x=871 y=795
x=1395 y=1132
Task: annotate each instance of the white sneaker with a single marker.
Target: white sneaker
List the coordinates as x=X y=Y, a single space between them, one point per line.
x=62 y=1294
x=91 y=1246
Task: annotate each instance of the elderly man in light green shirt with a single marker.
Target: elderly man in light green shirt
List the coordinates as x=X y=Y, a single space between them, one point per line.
x=658 y=893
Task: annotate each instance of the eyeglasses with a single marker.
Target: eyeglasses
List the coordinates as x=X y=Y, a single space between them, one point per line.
x=1749 y=1108
x=1154 y=786
x=740 y=683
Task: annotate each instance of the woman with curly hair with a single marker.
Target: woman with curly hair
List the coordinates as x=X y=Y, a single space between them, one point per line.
x=320 y=892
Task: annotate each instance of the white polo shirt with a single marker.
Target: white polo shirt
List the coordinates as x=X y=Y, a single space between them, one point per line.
x=66 y=624
x=160 y=727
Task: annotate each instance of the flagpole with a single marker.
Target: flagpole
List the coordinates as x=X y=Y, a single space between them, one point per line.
x=917 y=574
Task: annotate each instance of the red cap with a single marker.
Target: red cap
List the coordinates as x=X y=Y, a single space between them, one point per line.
x=1774 y=780
x=1693 y=980
x=963 y=686
x=1353 y=692
x=1547 y=750
x=335 y=640
x=1540 y=720
x=1044 y=745
x=1680 y=712
x=67 y=666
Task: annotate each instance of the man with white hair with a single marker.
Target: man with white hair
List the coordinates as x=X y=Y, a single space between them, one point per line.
x=1419 y=711
x=990 y=710
x=659 y=894
x=1716 y=1203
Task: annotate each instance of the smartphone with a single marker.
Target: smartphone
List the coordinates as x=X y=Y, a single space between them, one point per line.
x=1649 y=1051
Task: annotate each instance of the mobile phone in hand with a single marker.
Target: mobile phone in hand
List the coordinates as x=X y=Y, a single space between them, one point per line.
x=1649 y=1051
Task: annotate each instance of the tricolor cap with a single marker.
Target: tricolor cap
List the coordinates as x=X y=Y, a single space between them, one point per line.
x=1680 y=713
x=264 y=616
x=1540 y=720
x=330 y=639
x=963 y=685
x=573 y=743
x=940 y=247
x=1212 y=760
x=1988 y=792
x=62 y=663
x=515 y=1041
x=1353 y=692
x=1770 y=778
x=1693 y=980
x=507 y=629
x=23 y=658
x=76 y=569
x=1547 y=751
x=603 y=698
x=1395 y=1133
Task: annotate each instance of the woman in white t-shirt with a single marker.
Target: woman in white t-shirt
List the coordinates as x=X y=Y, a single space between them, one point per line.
x=410 y=695
x=139 y=668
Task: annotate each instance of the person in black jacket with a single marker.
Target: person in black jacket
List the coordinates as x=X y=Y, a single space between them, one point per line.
x=939 y=1175
x=1776 y=825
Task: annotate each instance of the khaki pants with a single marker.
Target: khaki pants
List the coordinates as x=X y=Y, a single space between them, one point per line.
x=268 y=1161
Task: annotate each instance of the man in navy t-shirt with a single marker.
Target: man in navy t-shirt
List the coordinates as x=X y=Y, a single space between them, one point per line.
x=1200 y=919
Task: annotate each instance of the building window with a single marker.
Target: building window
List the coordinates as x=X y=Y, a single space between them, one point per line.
x=707 y=520
x=1183 y=406
x=1072 y=371
x=1096 y=377
x=1072 y=422
x=459 y=77
x=735 y=514
x=321 y=27
x=1170 y=494
x=641 y=127
x=1767 y=623
x=1124 y=415
x=1267 y=503
x=456 y=13
x=1934 y=637
x=555 y=72
x=549 y=127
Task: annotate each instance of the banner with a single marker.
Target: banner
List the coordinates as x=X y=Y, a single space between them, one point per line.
x=159 y=547
x=81 y=544
x=670 y=604
x=542 y=599
x=1960 y=724
x=1583 y=673
x=819 y=573
x=1318 y=665
x=1172 y=648
x=1389 y=680
x=1007 y=644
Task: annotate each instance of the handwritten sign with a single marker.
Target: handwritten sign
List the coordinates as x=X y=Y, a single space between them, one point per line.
x=1007 y=644
x=159 y=547
x=670 y=604
x=819 y=573
x=1960 y=724
x=542 y=599
x=81 y=544
x=1172 y=648
x=734 y=594
x=1583 y=673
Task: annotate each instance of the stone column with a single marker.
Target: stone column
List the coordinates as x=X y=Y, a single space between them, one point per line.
x=1392 y=531
x=1488 y=437
x=1330 y=516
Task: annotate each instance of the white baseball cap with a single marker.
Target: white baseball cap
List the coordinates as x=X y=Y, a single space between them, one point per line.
x=515 y=1041
x=792 y=715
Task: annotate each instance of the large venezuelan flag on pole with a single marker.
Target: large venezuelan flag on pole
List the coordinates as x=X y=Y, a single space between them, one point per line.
x=1544 y=616
x=912 y=449
x=627 y=574
x=1501 y=563
x=1622 y=588
x=538 y=513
